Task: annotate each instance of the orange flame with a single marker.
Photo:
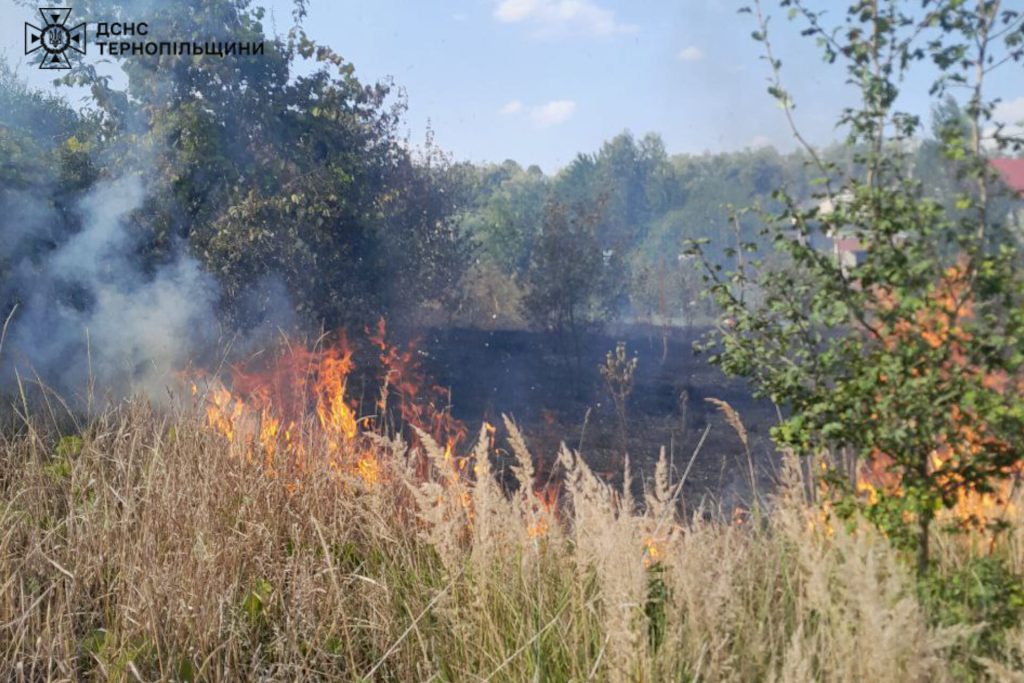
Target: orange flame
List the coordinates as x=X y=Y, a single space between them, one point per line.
x=652 y=552
x=276 y=409
x=942 y=324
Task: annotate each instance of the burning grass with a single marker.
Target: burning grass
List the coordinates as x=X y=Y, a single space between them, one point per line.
x=154 y=545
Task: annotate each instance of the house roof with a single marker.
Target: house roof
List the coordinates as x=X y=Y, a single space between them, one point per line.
x=1012 y=171
x=850 y=244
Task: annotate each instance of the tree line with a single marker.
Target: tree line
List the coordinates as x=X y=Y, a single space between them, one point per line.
x=286 y=172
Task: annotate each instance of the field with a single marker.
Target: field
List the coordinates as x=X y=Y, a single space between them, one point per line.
x=528 y=376
x=146 y=546
x=347 y=342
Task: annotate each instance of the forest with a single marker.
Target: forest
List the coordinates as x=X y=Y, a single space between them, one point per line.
x=286 y=394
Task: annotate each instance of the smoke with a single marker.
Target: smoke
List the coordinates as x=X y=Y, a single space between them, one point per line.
x=88 y=312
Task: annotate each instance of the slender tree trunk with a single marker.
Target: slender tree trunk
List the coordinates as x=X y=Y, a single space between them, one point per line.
x=574 y=331
x=561 y=345
x=924 y=533
x=924 y=521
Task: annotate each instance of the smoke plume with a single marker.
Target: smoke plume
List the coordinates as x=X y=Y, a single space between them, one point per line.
x=87 y=311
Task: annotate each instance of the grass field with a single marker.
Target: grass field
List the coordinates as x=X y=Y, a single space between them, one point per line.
x=145 y=546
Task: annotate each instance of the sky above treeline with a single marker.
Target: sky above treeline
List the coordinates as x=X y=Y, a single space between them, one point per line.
x=540 y=81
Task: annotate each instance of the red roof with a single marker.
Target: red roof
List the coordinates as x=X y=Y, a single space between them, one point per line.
x=849 y=244
x=1012 y=171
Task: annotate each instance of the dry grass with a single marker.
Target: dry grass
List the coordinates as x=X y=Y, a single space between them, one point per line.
x=150 y=551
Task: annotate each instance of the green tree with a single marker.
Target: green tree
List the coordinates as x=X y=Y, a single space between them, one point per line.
x=506 y=215
x=272 y=170
x=910 y=359
x=567 y=274
x=47 y=149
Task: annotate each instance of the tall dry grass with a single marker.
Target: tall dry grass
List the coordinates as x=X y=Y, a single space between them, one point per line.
x=146 y=548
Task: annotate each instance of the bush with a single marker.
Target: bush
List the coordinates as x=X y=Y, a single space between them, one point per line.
x=983 y=593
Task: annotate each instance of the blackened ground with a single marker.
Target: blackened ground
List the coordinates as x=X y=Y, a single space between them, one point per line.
x=532 y=378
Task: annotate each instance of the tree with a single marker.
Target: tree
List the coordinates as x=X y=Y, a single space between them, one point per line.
x=267 y=173
x=567 y=273
x=910 y=360
x=652 y=204
x=506 y=216
x=47 y=151
x=428 y=250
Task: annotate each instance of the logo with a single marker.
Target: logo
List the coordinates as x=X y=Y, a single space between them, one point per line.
x=55 y=38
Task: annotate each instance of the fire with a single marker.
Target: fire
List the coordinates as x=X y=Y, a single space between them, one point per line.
x=538 y=528
x=543 y=509
x=369 y=469
x=223 y=412
x=652 y=552
x=277 y=410
x=420 y=403
x=942 y=324
x=542 y=506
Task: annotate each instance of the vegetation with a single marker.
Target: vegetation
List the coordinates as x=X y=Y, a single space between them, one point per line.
x=566 y=275
x=640 y=206
x=275 y=524
x=907 y=361
x=327 y=204
x=618 y=373
x=263 y=173
x=151 y=548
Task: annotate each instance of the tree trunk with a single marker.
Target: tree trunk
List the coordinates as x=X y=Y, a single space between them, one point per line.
x=924 y=521
x=924 y=526
x=577 y=375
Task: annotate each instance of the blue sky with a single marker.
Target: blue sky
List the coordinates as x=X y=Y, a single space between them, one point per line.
x=540 y=80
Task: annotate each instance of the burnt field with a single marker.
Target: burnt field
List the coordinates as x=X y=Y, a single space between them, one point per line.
x=533 y=378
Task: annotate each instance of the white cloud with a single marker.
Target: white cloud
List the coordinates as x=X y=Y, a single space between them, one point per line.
x=542 y=115
x=1010 y=113
x=690 y=54
x=552 y=113
x=554 y=17
x=759 y=141
x=512 y=107
x=516 y=10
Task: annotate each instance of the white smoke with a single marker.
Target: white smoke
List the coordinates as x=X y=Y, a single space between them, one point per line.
x=88 y=311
